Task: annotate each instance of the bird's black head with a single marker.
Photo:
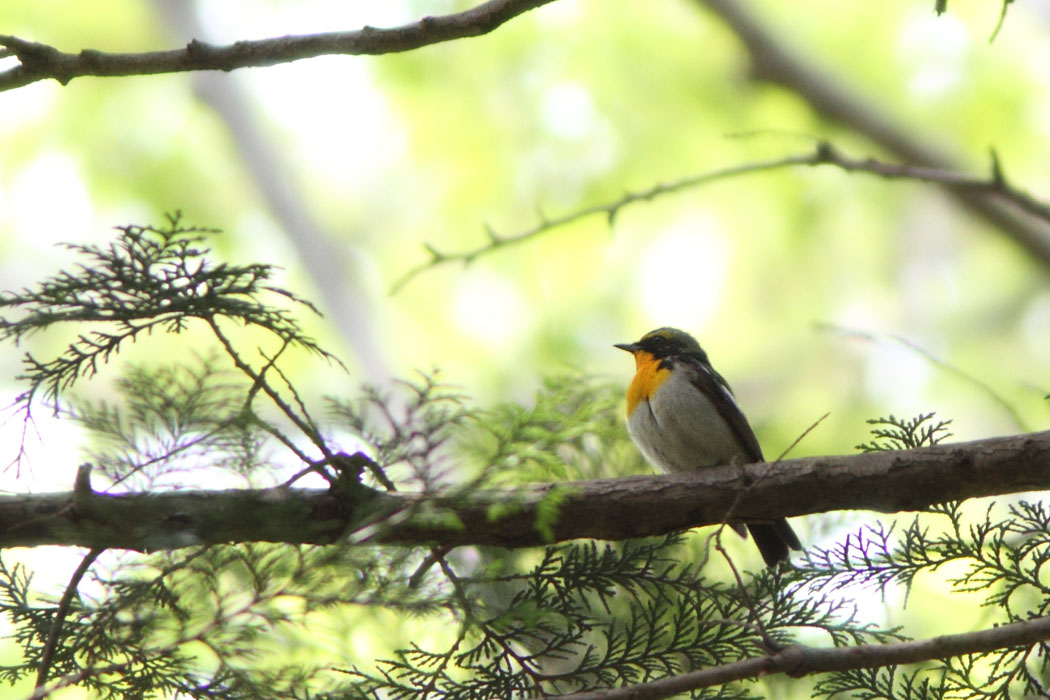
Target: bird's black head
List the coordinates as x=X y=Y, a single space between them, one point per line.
x=664 y=342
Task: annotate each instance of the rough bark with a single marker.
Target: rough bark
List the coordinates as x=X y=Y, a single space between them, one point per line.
x=533 y=515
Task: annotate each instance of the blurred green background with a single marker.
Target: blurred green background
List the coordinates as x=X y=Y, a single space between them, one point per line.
x=340 y=169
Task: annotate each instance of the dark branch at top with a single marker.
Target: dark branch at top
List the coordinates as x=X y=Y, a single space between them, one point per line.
x=41 y=62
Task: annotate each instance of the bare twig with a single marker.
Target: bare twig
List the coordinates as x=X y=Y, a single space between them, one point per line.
x=995 y=185
x=302 y=423
x=801 y=437
x=610 y=210
x=754 y=617
x=716 y=536
x=1002 y=18
x=48 y=656
x=72 y=679
x=981 y=385
x=41 y=62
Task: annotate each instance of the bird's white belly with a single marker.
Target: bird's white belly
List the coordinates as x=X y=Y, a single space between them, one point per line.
x=678 y=430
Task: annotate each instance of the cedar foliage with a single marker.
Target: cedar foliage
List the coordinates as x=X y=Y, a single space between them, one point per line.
x=239 y=620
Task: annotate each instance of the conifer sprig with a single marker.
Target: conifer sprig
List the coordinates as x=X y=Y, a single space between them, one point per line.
x=148 y=279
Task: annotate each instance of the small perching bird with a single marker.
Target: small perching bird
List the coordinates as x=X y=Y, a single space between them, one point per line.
x=682 y=415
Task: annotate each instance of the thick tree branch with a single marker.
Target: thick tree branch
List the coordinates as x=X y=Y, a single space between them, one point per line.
x=995 y=183
x=41 y=62
x=772 y=60
x=606 y=509
x=796 y=661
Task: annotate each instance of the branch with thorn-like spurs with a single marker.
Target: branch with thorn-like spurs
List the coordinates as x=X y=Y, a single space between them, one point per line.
x=824 y=154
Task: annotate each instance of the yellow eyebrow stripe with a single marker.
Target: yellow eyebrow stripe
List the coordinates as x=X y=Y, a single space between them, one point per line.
x=647 y=379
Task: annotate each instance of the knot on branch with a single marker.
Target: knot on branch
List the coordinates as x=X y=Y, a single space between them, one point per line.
x=792 y=661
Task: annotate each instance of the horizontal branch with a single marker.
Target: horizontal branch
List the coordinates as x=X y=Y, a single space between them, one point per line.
x=42 y=62
x=796 y=661
x=609 y=509
x=994 y=184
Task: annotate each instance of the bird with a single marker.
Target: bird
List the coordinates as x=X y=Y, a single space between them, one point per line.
x=682 y=415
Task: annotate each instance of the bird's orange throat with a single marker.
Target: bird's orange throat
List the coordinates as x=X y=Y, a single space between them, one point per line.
x=647 y=379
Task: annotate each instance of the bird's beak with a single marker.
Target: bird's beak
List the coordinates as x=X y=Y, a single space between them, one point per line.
x=629 y=347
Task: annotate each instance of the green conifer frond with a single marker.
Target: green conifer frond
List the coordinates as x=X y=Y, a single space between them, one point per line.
x=1003 y=555
x=243 y=620
x=170 y=422
x=900 y=434
x=149 y=279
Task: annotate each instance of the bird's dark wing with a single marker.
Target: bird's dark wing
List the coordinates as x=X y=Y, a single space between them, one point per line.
x=774 y=538
x=707 y=380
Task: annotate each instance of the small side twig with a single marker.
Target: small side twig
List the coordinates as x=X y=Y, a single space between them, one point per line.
x=981 y=385
x=302 y=423
x=48 y=656
x=753 y=614
x=1002 y=18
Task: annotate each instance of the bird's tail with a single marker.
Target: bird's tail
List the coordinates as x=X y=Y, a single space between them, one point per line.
x=773 y=540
